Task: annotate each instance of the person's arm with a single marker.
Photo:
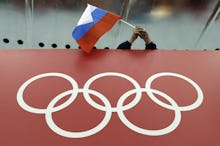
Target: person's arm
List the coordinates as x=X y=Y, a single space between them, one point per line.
x=138 y=31
x=127 y=44
x=124 y=45
x=151 y=46
x=148 y=43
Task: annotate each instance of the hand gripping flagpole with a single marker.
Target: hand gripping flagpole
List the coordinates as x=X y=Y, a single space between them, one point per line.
x=125 y=22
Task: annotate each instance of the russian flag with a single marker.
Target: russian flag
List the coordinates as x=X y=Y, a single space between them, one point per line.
x=93 y=23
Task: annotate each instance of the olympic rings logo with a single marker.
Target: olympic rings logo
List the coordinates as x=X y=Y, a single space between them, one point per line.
x=107 y=108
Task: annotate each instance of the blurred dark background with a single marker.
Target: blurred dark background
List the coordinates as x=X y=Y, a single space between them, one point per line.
x=172 y=24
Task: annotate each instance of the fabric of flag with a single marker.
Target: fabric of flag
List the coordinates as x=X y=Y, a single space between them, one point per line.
x=93 y=23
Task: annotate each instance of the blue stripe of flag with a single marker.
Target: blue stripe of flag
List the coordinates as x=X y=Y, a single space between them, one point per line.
x=81 y=30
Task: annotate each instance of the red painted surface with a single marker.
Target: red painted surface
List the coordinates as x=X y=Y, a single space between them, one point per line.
x=199 y=127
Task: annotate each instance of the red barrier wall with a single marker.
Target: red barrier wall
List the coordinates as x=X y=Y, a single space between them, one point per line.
x=109 y=97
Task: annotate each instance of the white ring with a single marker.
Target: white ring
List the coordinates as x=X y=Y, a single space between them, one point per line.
x=163 y=131
x=113 y=109
x=196 y=104
x=58 y=130
x=25 y=106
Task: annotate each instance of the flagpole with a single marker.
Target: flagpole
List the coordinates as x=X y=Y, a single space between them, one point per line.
x=129 y=24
